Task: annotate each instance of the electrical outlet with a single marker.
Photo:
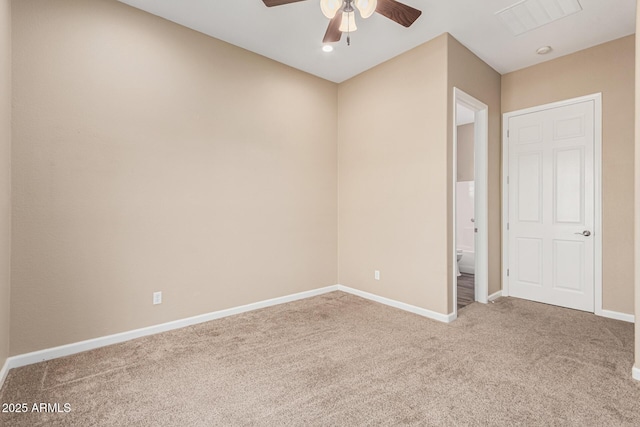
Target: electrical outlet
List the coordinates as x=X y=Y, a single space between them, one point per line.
x=157 y=298
x=376 y=275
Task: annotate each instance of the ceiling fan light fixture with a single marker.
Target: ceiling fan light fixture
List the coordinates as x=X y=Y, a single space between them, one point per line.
x=330 y=7
x=366 y=7
x=348 y=24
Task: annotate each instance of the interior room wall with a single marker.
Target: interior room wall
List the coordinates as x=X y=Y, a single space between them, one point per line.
x=392 y=174
x=607 y=68
x=149 y=157
x=637 y=191
x=5 y=176
x=395 y=163
x=465 y=152
x=473 y=76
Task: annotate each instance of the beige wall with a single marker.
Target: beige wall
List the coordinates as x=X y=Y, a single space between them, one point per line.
x=465 y=153
x=473 y=76
x=637 y=188
x=395 y=138
x=392 y=174
x=607 y=68
x=5 y=175
x=149 y=157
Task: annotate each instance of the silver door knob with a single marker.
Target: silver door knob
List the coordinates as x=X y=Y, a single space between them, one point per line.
x=585 y=233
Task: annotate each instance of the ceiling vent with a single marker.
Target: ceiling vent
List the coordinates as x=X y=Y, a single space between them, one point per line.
x=528 y=15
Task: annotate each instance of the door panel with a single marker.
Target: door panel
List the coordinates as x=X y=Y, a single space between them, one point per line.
x=530 y=187
x=568 y=128
x=530 y=260
x=529 y=134
x=551 y=203
x=567 y=275
x=568 y=184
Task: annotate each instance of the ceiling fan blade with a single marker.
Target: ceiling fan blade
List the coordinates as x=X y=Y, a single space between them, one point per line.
x=398 y=12
x=271 y=3
x=333 y=33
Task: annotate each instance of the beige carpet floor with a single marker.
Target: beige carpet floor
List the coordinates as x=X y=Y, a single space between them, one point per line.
x=338 y=359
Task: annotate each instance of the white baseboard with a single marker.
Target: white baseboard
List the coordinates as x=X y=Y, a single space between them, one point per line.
x=635 y=372
x=79 y=347
x=446 y=318
x=69 y=349
x=618 y=316
x=4 y=372
x=495 y=296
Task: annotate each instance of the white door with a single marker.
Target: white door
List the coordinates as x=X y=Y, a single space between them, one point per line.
x=551 y=206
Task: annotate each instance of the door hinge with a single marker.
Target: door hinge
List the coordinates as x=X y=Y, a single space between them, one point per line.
x=508 y=133
x=507 y=180
x=507 y=272
x=507 y=226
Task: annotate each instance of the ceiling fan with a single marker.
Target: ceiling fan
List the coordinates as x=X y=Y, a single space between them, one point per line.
x=345 y=22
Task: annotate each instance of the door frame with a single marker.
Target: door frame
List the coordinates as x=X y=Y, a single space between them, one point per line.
x=481 y=198
x=597 y=175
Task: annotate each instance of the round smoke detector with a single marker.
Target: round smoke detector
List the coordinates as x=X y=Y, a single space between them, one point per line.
x=544 y=50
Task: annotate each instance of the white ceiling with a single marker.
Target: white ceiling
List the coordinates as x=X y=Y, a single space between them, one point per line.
x=292 y=34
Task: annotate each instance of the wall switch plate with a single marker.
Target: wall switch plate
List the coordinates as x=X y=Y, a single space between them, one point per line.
x=376 y=275
x=157 y=298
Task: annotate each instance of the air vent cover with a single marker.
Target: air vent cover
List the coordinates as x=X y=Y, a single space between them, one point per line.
x=528 y=15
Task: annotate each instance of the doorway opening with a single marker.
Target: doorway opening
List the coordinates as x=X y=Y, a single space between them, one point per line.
x=470 y=201
x=465 y=206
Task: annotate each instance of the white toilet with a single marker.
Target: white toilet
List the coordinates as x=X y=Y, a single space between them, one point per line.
x=458 y=258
